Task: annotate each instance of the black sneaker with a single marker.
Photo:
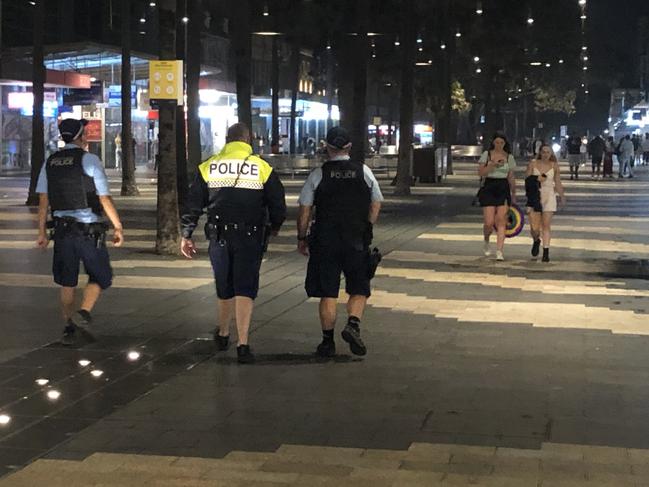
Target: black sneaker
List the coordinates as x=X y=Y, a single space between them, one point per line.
x=536 y=247
x=244 y=355
x=69 y=337
x=81 y=321
x=81 y=318
x=546 y=255
x=352 y=335
x=222 y=342
x=326 y=349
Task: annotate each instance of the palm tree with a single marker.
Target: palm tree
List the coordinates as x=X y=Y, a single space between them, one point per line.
x=194 y=49
x=38 y=82
x=295 y=82
x=129 y=186
x=242 y=50
x=168 y=234
x=403 y=179
x=351 y=49
x=275 y=93
x=181 y=123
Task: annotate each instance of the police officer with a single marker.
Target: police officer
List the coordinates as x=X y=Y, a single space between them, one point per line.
x=73 y=184
x=347 y=201
x=245 y=203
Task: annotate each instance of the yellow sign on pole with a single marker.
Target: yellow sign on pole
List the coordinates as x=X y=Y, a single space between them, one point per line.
x=166 y=80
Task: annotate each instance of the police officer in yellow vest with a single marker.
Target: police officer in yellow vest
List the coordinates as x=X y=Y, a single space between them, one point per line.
x=244 y=201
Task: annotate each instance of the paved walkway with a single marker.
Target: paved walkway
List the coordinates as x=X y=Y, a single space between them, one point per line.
x=478 y=372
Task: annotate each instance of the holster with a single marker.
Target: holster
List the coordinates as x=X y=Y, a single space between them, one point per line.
x=213 y=231
x=266 y=238
x=375 y=258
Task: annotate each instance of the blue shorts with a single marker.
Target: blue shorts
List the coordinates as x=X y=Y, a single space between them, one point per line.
x=71 y=249
x=328 y=260
x=236 y=259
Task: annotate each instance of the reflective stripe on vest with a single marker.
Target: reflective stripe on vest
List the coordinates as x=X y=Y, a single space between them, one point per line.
x=235 y=167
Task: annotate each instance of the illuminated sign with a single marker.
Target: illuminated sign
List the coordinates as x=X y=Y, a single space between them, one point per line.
x=24 y=101
x=115 y=96
x=93 y=130
x=166 y=81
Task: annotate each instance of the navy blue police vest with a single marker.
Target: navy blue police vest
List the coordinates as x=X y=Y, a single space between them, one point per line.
x=342 y=199
x=68 y=186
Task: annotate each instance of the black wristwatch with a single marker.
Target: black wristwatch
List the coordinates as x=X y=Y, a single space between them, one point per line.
x=301 y=239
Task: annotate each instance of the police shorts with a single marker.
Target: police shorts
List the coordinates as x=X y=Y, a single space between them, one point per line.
x=326 y=262
x=72 y=248
x=236 y=259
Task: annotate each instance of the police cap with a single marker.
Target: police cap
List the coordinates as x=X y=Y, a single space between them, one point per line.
x=338 y=138
x=71 y=128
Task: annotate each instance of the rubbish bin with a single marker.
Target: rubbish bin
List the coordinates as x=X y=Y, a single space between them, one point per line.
x=429 y=163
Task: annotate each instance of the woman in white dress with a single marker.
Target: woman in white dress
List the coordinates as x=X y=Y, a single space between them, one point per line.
x=546 y=168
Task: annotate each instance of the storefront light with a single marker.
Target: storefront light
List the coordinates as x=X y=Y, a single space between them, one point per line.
x=210 y=97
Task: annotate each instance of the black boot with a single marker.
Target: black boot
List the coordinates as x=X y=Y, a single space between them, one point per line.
x=536 y=247
x=222 y=342
x=546 y=255
x=244 y=355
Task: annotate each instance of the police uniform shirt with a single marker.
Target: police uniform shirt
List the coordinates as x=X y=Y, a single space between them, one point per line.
x=307 y=195
x=93 y=167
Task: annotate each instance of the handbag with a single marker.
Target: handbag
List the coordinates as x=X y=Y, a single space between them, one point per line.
x=476 y=199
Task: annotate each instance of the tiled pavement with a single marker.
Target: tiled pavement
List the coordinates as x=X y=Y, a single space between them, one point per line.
x=514 y=373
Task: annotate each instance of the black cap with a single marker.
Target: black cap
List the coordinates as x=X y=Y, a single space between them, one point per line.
x=339 y=138
x=71 y=128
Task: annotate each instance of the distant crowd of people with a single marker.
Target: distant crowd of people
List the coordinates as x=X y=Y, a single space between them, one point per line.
x=604 y=152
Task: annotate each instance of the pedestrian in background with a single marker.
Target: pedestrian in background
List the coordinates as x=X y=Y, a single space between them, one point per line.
x=626 y=154
x=645 y=149
x=498 y=191
x=637 y=149
x=608 y=158
x=573 y=146
x=596 y=149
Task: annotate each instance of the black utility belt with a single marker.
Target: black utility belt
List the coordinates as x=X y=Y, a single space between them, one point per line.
x=215 y=231
x=65 y=225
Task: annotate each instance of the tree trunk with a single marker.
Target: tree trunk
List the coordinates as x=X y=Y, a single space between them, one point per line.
x=445 y=119
x=404 y=179
x=181 y=122
x=358 y=129
x=274 y=130
x=295 y=81
x=129 y=185
x=345 y=77
x=38 y=82
x=330 y=88
x=352 y=53
x=168 y=232
x=489 y=125
x=242 y=49
x=194 y=49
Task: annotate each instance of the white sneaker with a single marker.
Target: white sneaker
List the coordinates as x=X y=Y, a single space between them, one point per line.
x=499 y=255
x=486 y=249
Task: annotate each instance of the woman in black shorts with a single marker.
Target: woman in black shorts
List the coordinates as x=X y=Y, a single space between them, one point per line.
x=498 y=191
